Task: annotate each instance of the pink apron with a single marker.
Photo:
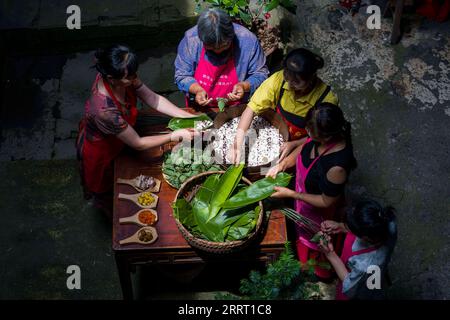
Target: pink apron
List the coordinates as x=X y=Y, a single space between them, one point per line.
x=217 y=81
x=347 y=253
x=306 y=249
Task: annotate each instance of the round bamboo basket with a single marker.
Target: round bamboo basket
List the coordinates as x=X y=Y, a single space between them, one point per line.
x=187 y=191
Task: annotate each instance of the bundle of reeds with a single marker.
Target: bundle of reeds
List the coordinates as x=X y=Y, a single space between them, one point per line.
x=310 y=226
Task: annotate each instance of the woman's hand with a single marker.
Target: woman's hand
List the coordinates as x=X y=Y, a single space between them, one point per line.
x=201 y=97
x=183 y=134
x=282 y=192
x=137 y=83
x=234 y=154
x=238 y=92
x=280 y=167
x=326 y=247
x=332 y=227
x=286 y=149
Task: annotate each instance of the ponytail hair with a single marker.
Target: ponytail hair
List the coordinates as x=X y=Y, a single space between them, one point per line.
x=369 y=219
x=347 y=133
x=116 y=61
x=327 y=120
x=301 y=64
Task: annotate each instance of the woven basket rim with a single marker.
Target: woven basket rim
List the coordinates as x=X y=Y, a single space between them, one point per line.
x=211 y=245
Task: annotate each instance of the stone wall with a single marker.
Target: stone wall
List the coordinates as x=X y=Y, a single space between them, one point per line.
x=52 y=14
x=45 y=67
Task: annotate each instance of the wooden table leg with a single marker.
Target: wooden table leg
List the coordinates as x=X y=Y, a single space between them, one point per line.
x=123 y=268
x=395 y=36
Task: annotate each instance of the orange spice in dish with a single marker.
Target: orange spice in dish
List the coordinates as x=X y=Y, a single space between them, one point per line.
x=147 y=217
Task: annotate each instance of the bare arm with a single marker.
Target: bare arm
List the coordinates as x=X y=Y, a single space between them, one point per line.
x=328 y=249
x=288 y=158
x=337 y=264
x=160 y=103
x=291 y=159
x=130 y=137
x=317 y=200
x=244 y=124
x=335 y=175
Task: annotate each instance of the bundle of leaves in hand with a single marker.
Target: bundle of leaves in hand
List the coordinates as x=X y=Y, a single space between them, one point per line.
x=319 y=236
x=205 y=215
x=184 y=163
x=184 y=123
x=259 y=190
x=221 y=103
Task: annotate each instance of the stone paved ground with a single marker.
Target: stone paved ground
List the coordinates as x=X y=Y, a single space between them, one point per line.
x=398 y=100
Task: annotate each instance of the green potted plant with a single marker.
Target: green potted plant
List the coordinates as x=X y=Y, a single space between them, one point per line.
x=254 y=16
x=282 y=280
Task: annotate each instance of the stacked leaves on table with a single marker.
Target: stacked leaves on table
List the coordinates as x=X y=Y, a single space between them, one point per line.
x=183 y=163
x=223 y=209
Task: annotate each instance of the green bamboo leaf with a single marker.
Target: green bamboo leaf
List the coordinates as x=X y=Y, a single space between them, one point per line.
x=315 y=238
x=239 y=230
x=221 y=103
x=242 y=3
x=201 y=207
x=319 y=236
x=258 y=191
x=182 y=210
x=228 y=182
x=271 y=5
x=183 y=123
x=242 y=227
x=245 y=17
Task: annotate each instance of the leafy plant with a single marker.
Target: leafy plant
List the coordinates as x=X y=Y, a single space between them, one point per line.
x=283 y=279
x=241 y=11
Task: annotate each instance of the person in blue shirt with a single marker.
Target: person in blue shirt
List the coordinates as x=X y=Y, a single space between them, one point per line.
x=218 y=59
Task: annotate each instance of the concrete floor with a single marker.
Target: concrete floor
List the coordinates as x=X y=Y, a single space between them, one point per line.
x=397 y=98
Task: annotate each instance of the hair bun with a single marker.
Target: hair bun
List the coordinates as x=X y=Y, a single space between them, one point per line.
x=319 y=62
x=99 y=54
x=387 y=214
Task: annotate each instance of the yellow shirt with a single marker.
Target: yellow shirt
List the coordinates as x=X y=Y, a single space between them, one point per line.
x=267 y=95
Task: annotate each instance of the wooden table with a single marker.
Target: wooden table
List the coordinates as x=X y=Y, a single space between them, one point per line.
x=170 y=247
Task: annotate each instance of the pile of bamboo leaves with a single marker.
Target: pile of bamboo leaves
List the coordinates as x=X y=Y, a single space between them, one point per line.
x=223 y=209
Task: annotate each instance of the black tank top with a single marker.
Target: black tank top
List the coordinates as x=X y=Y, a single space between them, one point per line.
x=316 y=181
